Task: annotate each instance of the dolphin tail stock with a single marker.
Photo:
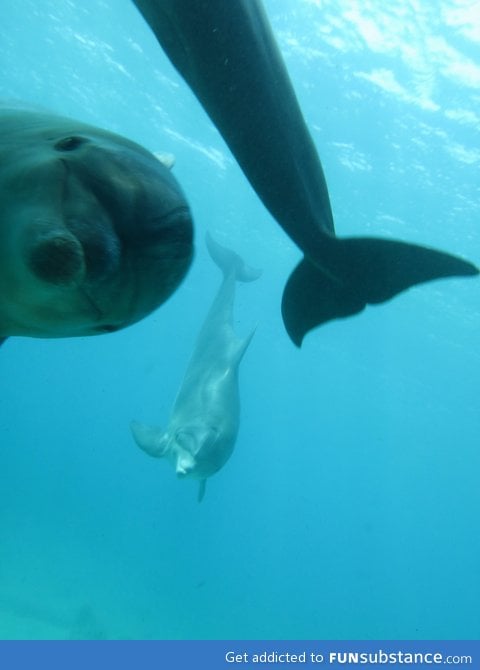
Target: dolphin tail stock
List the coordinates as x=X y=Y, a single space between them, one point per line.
x=354 y=272
x=149 y=438
x=228 y=261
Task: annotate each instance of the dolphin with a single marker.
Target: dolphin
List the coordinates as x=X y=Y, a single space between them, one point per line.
x=203 y=426
x=226 y=52
x=95 y=232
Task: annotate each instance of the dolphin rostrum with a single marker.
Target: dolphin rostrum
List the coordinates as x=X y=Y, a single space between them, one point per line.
x=95 y=232
x=203 y=426
x=227 y=53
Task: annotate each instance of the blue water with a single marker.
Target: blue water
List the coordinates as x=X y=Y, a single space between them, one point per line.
x=350 y=508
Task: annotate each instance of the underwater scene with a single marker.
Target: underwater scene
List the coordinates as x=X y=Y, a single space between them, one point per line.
x=343 y=490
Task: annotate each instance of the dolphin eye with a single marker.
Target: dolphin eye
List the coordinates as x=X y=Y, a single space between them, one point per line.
x=69 y=143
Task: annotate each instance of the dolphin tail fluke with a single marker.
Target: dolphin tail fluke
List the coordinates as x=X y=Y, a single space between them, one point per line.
x=356 y=272
x=149 y=438
x=228 y=261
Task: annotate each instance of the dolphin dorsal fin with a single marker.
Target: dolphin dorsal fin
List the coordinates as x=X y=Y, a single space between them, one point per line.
x=168 y=160
x=201 y=490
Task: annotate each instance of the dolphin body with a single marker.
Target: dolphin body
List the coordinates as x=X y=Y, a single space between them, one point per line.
x=95 y=232
x=203 y=426
x=226 y=51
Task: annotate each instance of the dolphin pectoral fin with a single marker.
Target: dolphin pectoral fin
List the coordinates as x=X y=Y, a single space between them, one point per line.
x=2 y=340
x=149 y=438
x=360 y=271
x=201 y=490
x=241 y=347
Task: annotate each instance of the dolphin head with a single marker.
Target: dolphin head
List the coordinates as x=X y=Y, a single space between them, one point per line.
x=199 y=450
x=95 y=233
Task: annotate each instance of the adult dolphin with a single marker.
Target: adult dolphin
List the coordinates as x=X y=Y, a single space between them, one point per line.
x=203 y=427
x=227 y=53
x=95 y=232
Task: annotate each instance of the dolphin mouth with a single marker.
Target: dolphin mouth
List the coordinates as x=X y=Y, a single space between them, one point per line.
x=100 y=244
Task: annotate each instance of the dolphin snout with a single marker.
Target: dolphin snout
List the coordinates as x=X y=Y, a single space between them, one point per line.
x=185 y=465
x=182 y=470
x=57 y=258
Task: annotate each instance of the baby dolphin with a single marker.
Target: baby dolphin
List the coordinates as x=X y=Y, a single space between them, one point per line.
x=95 y=233
x=203 y=426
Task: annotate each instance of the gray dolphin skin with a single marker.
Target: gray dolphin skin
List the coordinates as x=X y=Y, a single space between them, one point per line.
x=226 y=52
x=95 y=232
x=203 y=426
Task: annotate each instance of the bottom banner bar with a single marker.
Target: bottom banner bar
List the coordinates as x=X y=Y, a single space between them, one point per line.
x=224 y=654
